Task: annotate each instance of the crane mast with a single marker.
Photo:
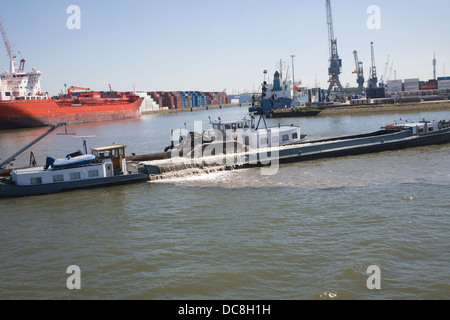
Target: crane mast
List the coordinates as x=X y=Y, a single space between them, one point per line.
x=390 y=72
x=12 y=56
x=335 y=63
x=359 y=71
x=373 y=81
x=373 y=91
x=384 y=76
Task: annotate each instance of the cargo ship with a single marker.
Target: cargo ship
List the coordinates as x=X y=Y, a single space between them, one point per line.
x=24 y=105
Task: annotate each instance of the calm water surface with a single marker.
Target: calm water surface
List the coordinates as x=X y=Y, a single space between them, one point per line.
x=309 y=232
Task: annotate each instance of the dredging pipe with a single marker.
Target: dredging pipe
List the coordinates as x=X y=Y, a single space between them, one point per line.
x=7 y=161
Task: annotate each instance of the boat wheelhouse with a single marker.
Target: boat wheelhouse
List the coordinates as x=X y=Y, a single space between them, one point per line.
x=249 y=134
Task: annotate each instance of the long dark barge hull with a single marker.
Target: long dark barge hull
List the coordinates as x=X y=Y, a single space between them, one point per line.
x=11 y=190
x=293 y=114
x=379 y=141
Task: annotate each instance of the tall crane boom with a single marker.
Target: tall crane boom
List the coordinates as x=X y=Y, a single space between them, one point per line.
x=330 y=26
x=389 y=77
x=373 y=81
x=9 y=49
x=384 y=76
x=335 y=63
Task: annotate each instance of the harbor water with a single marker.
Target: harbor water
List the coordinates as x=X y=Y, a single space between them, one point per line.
x=311 y=231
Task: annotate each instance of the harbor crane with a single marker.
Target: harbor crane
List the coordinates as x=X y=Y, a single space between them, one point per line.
x=359 y=71
x=11 y=54
x=335 y=68
x=373 y=91
x=71 y=89
x=390 y=72
x=373 y=79
x=383 y=79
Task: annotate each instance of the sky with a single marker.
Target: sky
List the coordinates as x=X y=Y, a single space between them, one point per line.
x=212 y=45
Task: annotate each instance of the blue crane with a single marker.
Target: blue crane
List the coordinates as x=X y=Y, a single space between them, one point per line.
x=335 y=68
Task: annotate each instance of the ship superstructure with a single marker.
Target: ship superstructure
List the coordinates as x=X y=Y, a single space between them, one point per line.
x=15 y=84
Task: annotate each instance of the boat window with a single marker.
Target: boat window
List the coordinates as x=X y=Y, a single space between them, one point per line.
x=430 y=129
x=263 y=141
x=240 y=125
x=233 y=126
x=294 y=136
x=285 y=137
x=228 y=126
x=215 y=126
x=75 y=176
x=93 y=173
x=58 y=178
x=246 y=125
x=35 y=181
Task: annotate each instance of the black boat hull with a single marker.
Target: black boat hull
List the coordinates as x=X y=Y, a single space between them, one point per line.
x=11 y=190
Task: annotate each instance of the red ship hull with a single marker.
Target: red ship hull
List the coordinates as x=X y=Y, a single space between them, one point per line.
x=37 y=113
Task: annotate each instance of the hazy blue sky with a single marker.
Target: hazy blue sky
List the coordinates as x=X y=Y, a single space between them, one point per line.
x=212 y=45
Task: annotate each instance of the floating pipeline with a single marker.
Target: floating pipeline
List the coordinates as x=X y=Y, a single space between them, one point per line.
x=388 y=139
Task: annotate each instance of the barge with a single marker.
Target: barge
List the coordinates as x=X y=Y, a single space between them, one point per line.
x=106 y=166
x=391 y=137
x=293 y=113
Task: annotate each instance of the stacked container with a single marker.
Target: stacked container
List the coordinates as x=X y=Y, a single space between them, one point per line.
x=428 y=85
x=411 y=84
x=394 y=86
x=188 y=99
x=212 y=97
x=156 y=97
x=443 y=83
x=198 y=99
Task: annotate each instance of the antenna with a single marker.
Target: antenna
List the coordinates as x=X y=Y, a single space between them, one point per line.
x=84 y=141
x=434 y=67
x=281 y=66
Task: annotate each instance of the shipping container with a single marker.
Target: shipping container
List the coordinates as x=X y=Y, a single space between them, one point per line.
x=443 y=84
x=428 y=85
x=415 y=80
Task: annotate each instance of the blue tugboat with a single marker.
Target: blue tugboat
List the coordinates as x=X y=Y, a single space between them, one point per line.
x=281 y=99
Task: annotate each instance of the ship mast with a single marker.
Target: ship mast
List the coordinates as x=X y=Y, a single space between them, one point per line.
x=11 y=54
